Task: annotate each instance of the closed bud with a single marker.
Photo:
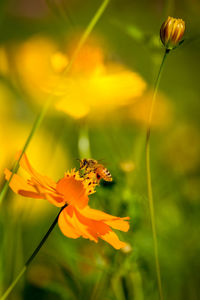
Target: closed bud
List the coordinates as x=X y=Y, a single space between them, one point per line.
x=171 y=32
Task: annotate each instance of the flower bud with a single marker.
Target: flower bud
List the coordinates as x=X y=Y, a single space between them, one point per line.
x=171 y=32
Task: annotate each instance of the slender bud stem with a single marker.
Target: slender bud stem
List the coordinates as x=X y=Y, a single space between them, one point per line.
x=43 y=112
x=33 y=255
x=149 y=184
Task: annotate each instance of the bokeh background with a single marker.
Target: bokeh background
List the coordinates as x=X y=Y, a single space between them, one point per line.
x=100 y=111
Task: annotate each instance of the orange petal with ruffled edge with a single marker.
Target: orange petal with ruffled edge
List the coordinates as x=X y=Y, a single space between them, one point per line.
x=76 y=222
x=38 y=186
x=113 y=240
x=69 y=214
x=114 y=222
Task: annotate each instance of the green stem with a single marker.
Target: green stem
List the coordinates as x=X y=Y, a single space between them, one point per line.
x=33 y=255
x=43 y=112
x=149 y=183
x=87 y=32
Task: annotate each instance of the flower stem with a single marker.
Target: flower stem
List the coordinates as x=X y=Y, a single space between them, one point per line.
x=149 y=184
x=43 y=112
x=35 y=252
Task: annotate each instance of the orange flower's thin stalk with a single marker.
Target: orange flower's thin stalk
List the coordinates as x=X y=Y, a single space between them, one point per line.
x=33 y=255
x=149 y=184
x=43 y=112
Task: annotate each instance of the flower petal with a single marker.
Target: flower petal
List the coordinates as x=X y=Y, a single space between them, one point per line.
x=66 y=226
x=74 y=224
x=32 y=189
x=113 y=240
x=114 y=222
x=18 y=183
x=81 y=224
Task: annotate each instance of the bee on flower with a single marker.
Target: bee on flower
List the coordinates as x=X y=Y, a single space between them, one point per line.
x=71 y=193
x=91 y=168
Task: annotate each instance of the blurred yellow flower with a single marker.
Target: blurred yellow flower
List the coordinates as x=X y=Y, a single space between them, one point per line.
x=6 y=115
x=59 y=62
x=115 y=87
x=10 y=143
x=6 y=108
x=35 y=64
x=91 y=84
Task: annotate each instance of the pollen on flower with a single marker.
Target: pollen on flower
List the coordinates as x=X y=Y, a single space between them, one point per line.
x=88 y=182
x=90 y=185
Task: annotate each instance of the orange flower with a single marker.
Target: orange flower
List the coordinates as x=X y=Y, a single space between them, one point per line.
x=77 y=219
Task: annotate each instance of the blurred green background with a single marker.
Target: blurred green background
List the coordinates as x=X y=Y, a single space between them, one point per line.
x=102 y=114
